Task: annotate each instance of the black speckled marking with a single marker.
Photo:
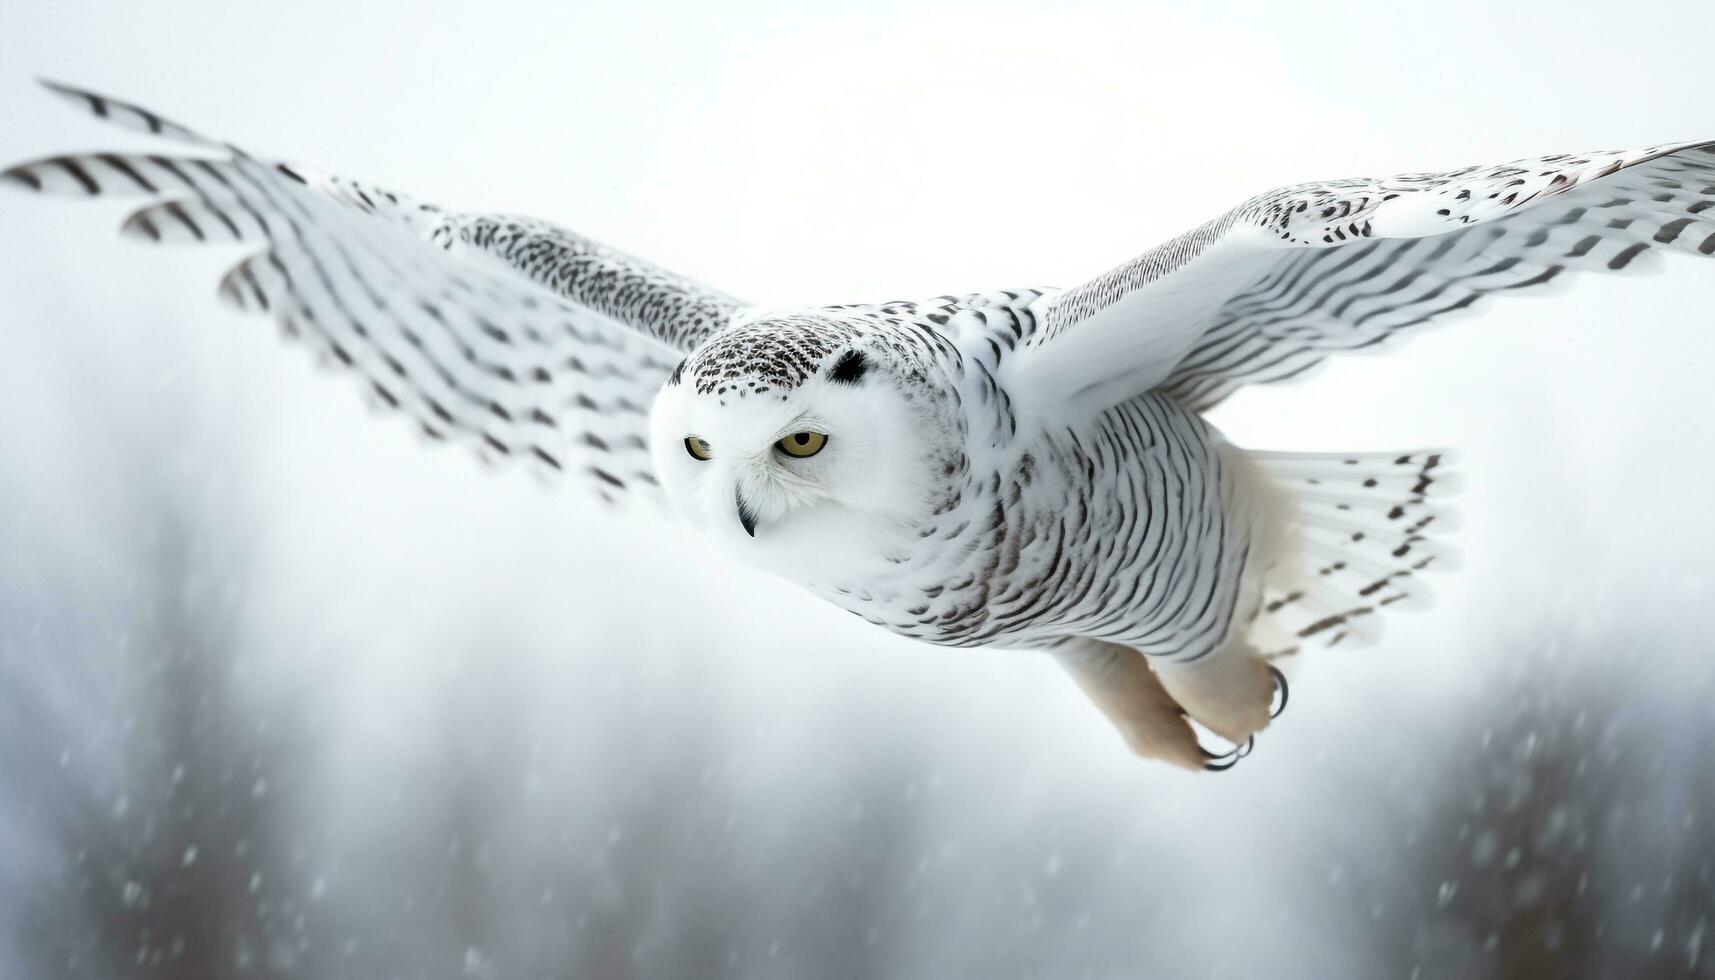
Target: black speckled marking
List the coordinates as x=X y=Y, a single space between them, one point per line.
x=779 y=352
x=850 y=368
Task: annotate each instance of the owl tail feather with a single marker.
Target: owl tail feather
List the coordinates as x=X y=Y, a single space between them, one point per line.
x=1362 y=533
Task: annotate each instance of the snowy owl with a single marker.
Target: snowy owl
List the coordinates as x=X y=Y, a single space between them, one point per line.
x=1018 y=468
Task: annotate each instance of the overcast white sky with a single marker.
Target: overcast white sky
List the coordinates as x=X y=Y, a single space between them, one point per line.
x=800 y=153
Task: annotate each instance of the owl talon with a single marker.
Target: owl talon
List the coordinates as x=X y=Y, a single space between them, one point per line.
x=1227 y=760
x=1280 y=684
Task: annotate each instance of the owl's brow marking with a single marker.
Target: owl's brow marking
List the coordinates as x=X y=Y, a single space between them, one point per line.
x=803 y=423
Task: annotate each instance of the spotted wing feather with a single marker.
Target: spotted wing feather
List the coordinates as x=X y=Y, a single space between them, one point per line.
x=519 y=338
x=1278 y=284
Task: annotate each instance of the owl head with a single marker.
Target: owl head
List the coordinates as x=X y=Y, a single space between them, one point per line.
x=791 y=435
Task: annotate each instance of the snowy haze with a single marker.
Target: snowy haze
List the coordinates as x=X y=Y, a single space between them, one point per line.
x=284 y=693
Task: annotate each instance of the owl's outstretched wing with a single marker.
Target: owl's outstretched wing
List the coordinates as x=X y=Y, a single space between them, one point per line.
x=1286 y=279
x=517 y=337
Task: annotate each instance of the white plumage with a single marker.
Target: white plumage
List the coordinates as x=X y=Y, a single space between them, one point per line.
x=1020 y=468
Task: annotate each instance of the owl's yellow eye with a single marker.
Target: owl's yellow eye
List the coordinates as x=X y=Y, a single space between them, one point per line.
x=802 y=445
x=698 y=448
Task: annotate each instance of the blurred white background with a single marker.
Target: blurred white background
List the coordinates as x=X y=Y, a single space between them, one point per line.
x=285 y=693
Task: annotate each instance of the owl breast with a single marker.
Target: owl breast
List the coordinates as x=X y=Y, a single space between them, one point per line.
x=1133 y=528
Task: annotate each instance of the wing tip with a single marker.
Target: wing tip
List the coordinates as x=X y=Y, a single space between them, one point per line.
x=22 y=176
x=120 y=112
x=94 y=102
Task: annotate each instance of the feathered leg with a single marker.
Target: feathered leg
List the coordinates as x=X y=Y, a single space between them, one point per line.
x=1228 y=692
x=1120 y=682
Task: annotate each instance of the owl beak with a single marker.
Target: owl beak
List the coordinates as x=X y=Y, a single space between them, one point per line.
x=746 y=516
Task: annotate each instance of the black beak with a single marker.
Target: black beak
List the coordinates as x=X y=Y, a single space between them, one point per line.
x=746 y=516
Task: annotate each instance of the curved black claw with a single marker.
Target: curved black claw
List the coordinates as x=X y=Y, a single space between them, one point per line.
x=1285 y=692
x=1226 y=760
